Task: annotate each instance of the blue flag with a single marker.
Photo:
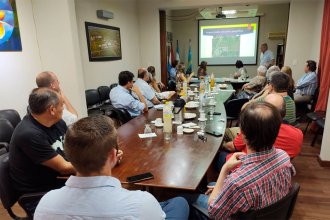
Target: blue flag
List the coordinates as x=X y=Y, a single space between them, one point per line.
x=177 y=54
x=189 y=69
x=169 y=65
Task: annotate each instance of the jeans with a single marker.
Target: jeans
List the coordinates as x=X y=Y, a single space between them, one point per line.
x=176 y=208
x=221 y=160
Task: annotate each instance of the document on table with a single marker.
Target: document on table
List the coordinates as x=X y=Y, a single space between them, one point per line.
x=148 y=135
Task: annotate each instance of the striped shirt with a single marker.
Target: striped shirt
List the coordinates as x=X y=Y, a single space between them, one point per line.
x=290 y=115
x=307 y=84
x=263 y=179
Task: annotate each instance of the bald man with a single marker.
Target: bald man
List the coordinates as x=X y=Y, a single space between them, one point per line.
x=49 y=80
x=288 y=139
x=146 y=90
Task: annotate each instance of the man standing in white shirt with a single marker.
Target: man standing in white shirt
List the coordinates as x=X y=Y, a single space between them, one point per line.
x=266 y=56
x=146 y=90
x=49 y=80
x=91 y=146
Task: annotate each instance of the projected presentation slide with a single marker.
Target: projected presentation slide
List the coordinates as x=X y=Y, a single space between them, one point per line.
x=223 y=41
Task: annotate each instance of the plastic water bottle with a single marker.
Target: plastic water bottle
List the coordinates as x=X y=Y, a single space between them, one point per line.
x=207 y=84
x=167 y=118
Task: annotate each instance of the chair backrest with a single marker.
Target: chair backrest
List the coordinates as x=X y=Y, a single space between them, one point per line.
x=233 y=107
x=7 y=193
x=92 y=98
x=282 y=209
x=113 y=85
x=11 y=115
x=120 y=115
x=104 y=92
x=315 y=98
x=6 y=130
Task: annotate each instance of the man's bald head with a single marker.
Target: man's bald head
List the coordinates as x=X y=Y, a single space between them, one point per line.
x=48 y=79
x=278 y=101
x=142 y=72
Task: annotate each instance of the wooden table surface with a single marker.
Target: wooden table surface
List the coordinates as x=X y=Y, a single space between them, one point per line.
x=178 y=163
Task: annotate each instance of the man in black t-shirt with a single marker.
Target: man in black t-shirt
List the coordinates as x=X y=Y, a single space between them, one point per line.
x=35 y=160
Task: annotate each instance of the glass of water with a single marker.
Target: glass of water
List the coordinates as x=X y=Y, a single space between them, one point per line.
x=211 y=111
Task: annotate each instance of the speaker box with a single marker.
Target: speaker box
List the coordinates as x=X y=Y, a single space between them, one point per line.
x=104 y=14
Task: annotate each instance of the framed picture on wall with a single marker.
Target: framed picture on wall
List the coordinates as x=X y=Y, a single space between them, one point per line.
x=10 y=38
x=103 y=42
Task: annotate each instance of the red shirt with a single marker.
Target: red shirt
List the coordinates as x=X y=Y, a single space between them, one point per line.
x=288 y=139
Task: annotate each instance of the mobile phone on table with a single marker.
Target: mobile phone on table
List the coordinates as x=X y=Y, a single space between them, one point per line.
x=140 y=177
x=214 y=133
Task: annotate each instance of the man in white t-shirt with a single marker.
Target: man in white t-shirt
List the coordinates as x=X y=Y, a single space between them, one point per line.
x=49 y=79
x=146 y=90
x=91 y=146
x=266 y=56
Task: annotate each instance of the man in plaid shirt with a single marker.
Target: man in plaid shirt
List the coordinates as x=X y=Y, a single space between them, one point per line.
x=264 y=174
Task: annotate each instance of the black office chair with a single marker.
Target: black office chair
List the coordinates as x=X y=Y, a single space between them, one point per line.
x=6 y=131
x=113 y=85
x=233 y=108
x=119 y=115
x=313 y=116
x=11 y=115
x=8 y=195
x=104 y=92
x=281 y=210
x=320 y=124
x=93 y=101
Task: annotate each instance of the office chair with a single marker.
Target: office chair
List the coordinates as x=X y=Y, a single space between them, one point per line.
x=320 y=124
x=8 y=195
x=119 y=115
x=93 y=101
x=113 y=85
x=280 y=210
x=6 y=131
x=314 y=116
x=233 y=108
x=104 y=92
x=11 y=115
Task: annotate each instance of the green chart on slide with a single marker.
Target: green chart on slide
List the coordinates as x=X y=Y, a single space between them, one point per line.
x=226 y=46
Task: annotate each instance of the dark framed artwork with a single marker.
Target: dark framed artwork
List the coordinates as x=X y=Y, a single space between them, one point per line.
x=103 y=42
x=10 y=39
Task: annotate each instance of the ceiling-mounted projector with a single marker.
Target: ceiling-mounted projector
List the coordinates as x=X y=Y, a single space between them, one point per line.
x=220 y=14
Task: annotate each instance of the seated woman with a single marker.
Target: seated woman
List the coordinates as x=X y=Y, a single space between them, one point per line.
x=291 y=89
x=258 y=82
x=202 y=70
x=180 y=75
x=240 y=71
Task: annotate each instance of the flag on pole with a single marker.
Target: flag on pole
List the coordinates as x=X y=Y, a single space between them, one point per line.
x=169 y=65
x=172 y=55
x=177 y=54
x=189 y=69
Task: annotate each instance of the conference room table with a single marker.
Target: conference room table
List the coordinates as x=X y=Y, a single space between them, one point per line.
x=180 y=162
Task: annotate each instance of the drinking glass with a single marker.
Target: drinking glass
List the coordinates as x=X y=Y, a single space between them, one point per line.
x=211 y=111
x=202 y=125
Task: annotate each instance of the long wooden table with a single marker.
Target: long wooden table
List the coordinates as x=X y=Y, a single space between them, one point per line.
x=178 y=163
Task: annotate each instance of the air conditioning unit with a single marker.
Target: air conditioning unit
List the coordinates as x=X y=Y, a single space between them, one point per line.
x=276 y=35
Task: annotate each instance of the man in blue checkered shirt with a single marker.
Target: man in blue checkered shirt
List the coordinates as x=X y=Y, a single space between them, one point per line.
x=307 y=84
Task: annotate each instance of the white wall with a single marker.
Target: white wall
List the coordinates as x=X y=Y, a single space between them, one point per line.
x=48 y=40
x=18 y=69
x=59 y=49
x=304 y=34
x=125 y=17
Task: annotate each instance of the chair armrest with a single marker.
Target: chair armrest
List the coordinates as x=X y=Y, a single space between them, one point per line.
x=4 y=145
